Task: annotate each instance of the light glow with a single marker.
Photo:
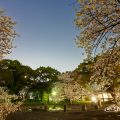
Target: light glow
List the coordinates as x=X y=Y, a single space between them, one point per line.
x=93 y=98
x=54 y=93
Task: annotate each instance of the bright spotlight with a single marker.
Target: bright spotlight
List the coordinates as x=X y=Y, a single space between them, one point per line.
x=54 y=93
x=93 y=98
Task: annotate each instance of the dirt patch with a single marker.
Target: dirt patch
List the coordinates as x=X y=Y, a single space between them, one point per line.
x=88 y=115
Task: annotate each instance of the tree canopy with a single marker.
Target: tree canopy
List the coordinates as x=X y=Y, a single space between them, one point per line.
x=99 y=23
x=15 y=76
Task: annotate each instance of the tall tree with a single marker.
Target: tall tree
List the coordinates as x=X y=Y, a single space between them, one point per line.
x=7 y=34
x=44 y=81
x=99 y=25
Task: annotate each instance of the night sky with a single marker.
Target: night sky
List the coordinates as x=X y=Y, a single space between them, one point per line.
x=47 y=33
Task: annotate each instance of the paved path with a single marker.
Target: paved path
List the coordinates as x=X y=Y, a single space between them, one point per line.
x=89 y=115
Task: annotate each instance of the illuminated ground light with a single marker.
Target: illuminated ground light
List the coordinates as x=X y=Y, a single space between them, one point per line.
x=112 y=108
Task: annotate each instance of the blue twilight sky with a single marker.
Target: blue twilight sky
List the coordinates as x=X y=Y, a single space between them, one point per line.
x=47 y=33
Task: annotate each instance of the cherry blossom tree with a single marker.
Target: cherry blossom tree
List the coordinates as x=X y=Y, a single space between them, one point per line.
x=6 y=104
x=7 y=34
x=99 y=25
x=71 y=89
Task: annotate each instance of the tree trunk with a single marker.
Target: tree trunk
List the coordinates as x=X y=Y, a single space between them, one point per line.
x=48 y=98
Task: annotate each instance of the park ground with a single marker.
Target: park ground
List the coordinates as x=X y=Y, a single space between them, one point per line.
x=60 y=115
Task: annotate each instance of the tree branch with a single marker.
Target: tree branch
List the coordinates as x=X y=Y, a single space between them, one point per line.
x=118 y=1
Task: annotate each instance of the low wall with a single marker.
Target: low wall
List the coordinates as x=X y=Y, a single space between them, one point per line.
x=65 y=108
x=81 y=107
x=34 y=108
